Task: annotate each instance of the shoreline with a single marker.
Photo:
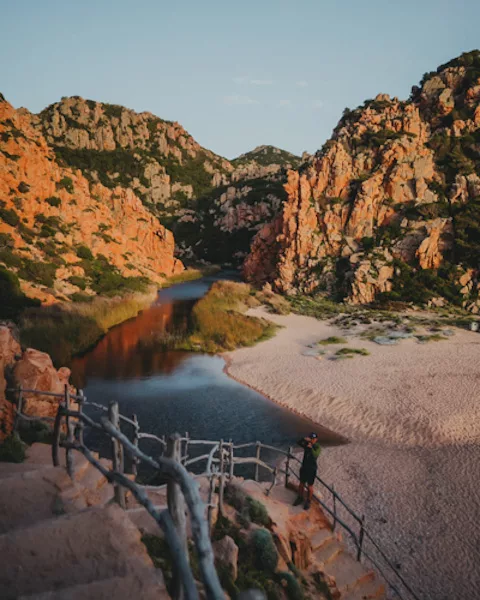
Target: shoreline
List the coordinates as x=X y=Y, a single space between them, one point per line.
x=412 y=418
x=332 y=438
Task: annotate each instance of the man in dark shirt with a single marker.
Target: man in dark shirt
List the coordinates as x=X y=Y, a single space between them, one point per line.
x=308 y=470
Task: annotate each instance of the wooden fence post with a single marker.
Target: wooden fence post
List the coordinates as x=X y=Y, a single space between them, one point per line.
x=210 y=501
x=70 y=435
x=230 y=458
x=257 y=456
x=360 y=537
x=334 y=497
x=176 y=507
x=222 y=480
x=185 y=456
x=117 y=452
x=136 y=430
x=80 y=424
x=287 y=467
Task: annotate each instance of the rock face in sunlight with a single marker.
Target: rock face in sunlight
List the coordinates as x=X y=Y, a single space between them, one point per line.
x=59 y=230
x=390 y=202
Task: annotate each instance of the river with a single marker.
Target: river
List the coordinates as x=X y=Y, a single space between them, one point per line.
x=173 y=391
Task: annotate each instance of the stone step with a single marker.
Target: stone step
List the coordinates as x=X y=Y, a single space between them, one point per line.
x=8 y=469
x=346 y=571
x=149 y=586
x=369 y=589
x=328 y=551
x=71 y=550
x=32 y=496
x=321 y=538
x=41 y=454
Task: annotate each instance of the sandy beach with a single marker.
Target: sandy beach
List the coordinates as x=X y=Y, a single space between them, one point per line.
x=412 y=414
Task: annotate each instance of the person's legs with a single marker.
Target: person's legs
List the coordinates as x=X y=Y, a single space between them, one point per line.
x=310 y=482
x=300 y=491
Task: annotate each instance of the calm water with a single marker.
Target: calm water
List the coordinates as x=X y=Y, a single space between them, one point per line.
x=179 y=391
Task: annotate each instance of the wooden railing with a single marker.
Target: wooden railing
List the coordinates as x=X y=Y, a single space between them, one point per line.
x=220 y=464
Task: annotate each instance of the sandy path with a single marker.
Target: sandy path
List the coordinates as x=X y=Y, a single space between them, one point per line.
x=412 y=412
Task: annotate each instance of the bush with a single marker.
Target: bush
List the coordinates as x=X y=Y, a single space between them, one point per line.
x=264 y=550
x=66 y=183
x=290 y=584
x=9 y=216
x=23 y=187
x=53 y=201
x=78 y=281
x=12 y=449
x=40 y=272
x=333 y=339
x=12 y=300
x=10 y=259
x=84 y=253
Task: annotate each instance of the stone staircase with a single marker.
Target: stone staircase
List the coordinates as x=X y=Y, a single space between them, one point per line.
x=63 y=539
x=317 y=546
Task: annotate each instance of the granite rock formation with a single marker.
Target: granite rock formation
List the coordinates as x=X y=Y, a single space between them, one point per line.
x=58 y=229
x=390 y=203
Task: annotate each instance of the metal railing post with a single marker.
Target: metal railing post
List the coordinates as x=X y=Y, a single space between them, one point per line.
x=334 y=498
x=176 y=507
x=287 y=467
x=70 y=436
x=257 y=456
x=117 y=452
x=136 y=430
x=360 y=537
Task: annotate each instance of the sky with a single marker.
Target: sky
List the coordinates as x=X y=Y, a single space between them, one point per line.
x=235 y=74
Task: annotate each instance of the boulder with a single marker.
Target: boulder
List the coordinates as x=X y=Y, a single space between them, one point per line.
x=35 y=371
x=226 y=554
x=9 y=350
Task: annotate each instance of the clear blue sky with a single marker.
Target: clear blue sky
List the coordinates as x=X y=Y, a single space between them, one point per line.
x=234 y=74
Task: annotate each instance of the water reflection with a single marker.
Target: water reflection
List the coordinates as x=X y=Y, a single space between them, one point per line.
x=179 y=391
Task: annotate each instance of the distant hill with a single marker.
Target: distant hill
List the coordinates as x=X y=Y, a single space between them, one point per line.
x=268 y=155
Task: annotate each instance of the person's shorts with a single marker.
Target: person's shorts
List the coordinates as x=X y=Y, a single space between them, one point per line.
x=307 y=476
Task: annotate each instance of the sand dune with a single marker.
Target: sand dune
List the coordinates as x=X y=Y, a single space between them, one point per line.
x=412 y=413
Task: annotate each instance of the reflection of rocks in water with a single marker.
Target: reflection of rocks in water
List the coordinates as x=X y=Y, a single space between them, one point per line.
x=134 y=349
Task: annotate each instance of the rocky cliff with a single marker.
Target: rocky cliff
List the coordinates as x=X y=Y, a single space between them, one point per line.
x=391 y=203
x=62 y=234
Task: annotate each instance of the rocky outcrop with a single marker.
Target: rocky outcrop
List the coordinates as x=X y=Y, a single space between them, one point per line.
x=397 y=182
x=53 y=219
x=10 y=350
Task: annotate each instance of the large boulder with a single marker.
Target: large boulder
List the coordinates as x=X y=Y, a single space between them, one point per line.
x=35 y=371
x=226 y=554
x=9 y=350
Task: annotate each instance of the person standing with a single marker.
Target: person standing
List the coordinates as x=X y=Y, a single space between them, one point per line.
x=308 y=470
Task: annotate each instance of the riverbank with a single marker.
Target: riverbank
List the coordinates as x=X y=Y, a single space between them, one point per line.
x=66 y=329
x=411 y=414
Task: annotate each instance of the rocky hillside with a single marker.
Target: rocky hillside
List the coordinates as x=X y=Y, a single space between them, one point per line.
x=390 y=205
x=64 y=236
x=221 y=224
x=213 y=206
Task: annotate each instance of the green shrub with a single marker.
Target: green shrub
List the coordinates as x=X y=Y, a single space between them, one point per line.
x=350 y=351
x=78 y=281
x=9 y=258
x=333 y=339
x=12 y=449
x=9 y=216
x=23 y=187
x=264 y=550
x=40 y=272
x=81 y=298
x=290 y=584
x=84 y=253
x=53 y=201
x=66 y=183
x=12 y=300
x=257 y=512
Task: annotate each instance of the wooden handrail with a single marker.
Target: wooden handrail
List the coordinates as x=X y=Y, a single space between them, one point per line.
x=226 y=463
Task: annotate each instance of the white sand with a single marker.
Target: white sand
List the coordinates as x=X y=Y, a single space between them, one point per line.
x=412 y=412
